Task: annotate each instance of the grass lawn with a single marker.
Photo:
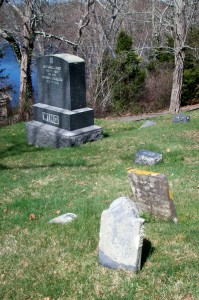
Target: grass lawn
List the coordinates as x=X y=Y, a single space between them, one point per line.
x=52 y=261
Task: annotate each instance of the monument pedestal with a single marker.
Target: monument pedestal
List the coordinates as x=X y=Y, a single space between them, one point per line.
x=45 y=135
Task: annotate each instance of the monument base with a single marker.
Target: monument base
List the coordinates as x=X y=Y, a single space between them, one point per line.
x=40 y=134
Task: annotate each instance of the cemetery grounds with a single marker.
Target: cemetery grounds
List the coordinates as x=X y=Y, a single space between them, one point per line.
x=54 y=261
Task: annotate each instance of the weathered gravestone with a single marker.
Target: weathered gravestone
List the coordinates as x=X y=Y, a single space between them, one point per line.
x=61 y=118
x=146 y=157
x=181 y=118
x=152 y=194
x=121 y=236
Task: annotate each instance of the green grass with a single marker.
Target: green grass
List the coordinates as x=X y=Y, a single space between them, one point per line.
x=40 y=260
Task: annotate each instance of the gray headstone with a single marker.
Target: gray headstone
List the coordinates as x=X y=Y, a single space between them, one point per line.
x=62 y=104
x=148 y=123
x=61 y=81
x=152 y=194
x=66 y=218
x=146 y=157
x=121 y=236
x=181 y=118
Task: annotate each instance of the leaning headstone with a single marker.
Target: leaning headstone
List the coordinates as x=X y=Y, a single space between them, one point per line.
x=146 y=157
x=66 y=218
x=121 y=236
x=152 y=194
x=148 y=124
x=181 y=118
x=61 y=118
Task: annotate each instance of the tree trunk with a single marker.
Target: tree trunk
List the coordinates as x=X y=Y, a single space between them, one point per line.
x=180 y=33
x=26 y=97
x=177 y=82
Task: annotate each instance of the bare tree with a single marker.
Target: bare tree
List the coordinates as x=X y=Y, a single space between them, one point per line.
x=183 y=17
x=28 y=16
x=179 y=39
x=89 y=29
x=22 y=21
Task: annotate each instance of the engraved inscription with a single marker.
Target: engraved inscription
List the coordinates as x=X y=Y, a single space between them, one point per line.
x=52 y=74
x=53 y=119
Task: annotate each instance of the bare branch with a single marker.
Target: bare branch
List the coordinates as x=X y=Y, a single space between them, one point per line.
x=13 y=43
x=56 y=37
x=15 y=8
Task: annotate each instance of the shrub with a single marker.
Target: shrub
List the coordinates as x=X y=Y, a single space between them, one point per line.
x=121 y=78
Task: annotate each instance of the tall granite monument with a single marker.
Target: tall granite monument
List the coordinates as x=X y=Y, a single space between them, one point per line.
x=61 y=118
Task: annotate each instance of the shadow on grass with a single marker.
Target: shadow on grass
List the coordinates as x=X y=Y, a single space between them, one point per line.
x=80 y=163
x=18 y=149
x=147 y=251
x=106 y=135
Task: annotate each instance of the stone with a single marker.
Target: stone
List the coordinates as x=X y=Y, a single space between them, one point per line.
x=148 y=123
x=44 y=135
x=181 y=118
x=146 y=157
x=5 y=106
x=66 y=218
x=61 y=111
x=152 y=194
x=121 y=236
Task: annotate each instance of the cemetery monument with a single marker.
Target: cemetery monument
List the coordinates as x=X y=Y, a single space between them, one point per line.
x=61 y=118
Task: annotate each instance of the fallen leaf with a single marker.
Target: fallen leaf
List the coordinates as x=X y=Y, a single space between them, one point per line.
x=168 y=150
x=5 y=210
x=188 y=297
x=32 y=217
x=83 y=183
x=58 y=212
x=47 y=298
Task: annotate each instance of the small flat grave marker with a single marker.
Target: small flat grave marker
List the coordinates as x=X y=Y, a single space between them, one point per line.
x=152 y=194
x=146 y=157
x=63 y=219
x=121 y=236
x=148 y=124
x=181 y=118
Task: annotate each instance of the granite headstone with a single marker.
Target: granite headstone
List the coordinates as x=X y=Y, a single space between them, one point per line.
x=181 y=118
x=152 y=194
x=121 y=236
x=61 y=118
x=146 y=157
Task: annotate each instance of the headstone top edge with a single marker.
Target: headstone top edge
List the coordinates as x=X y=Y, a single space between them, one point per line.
x=70 y=58
x=142 y=172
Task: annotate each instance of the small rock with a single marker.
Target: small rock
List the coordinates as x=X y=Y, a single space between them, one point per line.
x=66 y=218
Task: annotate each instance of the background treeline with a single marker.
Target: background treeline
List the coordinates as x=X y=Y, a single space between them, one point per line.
x=129 y=48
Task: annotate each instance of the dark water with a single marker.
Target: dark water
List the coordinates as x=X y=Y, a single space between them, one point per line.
x=9 y=63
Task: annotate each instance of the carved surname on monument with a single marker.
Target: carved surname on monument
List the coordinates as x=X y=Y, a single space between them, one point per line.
x=54 y=119
x=52 y=74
